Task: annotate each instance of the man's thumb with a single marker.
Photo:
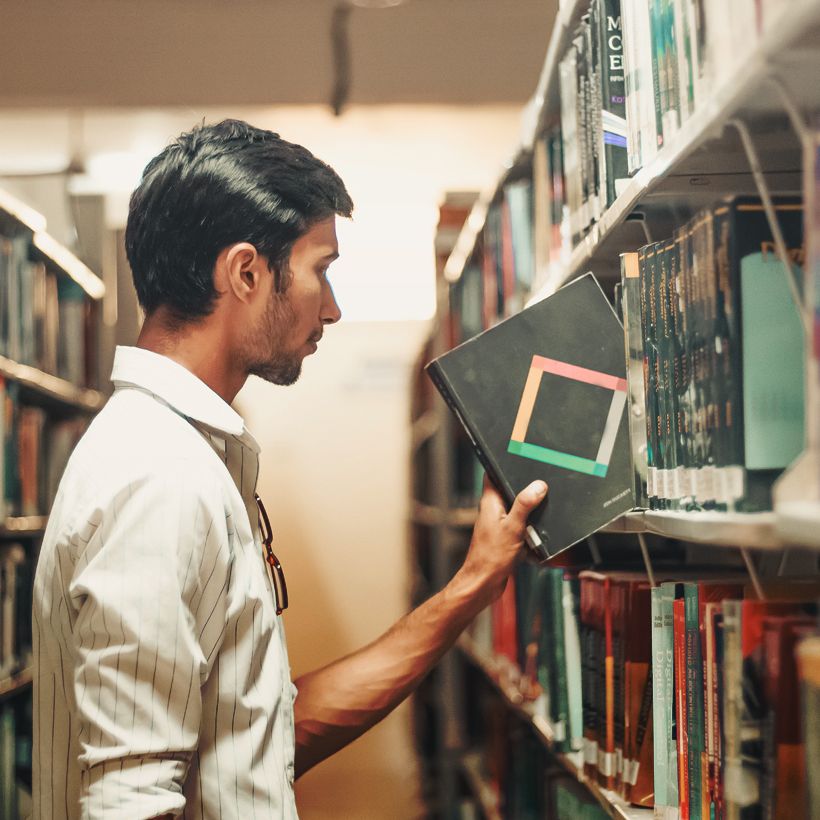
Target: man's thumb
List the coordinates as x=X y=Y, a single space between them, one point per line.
x=526 y=501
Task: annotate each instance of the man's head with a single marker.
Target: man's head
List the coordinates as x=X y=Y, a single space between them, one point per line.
x=233 y=219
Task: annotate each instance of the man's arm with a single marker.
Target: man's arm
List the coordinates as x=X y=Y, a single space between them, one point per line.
x=339 y=702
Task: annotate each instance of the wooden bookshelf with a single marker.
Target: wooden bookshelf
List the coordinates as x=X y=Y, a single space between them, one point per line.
x=16 y=683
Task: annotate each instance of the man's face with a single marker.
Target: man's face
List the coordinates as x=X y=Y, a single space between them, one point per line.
x=293 y=322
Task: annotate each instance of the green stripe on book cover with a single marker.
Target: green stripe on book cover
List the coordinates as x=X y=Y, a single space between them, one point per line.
x=556 y=457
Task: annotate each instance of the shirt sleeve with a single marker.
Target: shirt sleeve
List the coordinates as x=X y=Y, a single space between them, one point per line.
x=149 y=595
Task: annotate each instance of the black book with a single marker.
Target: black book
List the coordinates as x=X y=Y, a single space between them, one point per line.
x=543 y=395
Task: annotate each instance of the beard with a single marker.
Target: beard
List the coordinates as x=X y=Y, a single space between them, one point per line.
x=266 y=343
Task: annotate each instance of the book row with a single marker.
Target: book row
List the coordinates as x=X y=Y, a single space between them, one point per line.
x=496 y=280
x=634 y=72
x=676 y=53
x=715 y=358
x=35 y=450
x=16 y=584
x=46 y=319
x=684 y=696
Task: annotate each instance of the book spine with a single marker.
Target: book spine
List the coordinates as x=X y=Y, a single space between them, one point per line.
x=558 y=702
x=606 y=748
x=648 y=377
x=663 y=676
x=681 y=705
x=613 y=165
x=694 y=702
x=589 y=677
x=572 y=649
x=732 y=703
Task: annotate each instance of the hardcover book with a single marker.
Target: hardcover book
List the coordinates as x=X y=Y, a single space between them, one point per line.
x=543 y=395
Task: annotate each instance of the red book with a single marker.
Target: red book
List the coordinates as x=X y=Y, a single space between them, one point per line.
x=783 y=786
x=639 y=766
x=505 y=632
x=507 y=258
x=679 y=644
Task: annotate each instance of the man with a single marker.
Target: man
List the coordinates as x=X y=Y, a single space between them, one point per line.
x=162 y=685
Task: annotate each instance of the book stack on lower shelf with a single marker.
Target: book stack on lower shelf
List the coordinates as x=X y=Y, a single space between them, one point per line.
x=684 y=697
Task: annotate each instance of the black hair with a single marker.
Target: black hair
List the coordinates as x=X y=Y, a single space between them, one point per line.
x=212 y=187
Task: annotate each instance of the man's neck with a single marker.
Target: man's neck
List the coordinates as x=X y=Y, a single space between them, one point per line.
x=198 y=347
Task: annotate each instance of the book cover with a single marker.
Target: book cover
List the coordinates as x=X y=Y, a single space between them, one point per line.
x=542 y=396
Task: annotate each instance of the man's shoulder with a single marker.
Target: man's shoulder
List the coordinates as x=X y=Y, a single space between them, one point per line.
x=136 y=440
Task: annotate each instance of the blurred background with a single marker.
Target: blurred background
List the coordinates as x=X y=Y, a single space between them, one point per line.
x=407 y=100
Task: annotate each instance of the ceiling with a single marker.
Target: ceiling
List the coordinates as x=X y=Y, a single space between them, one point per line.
x=263 y=52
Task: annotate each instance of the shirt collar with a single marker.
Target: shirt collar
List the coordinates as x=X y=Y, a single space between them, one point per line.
x=177 y=386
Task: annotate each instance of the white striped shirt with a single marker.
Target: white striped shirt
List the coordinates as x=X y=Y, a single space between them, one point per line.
x=161 y=678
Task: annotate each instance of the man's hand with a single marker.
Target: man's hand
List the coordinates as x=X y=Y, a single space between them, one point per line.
x=497 y=539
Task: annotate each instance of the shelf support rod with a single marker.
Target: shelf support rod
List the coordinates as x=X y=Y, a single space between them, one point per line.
x=796 y=118
x=650 y=573
x=753 y=576
x=771 y=216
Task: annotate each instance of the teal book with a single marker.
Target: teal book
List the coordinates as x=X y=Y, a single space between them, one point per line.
x=572 y=650
x=665 y=758
x=767 y=357
x=694 y=703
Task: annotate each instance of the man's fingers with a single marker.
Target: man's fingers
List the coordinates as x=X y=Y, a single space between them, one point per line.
x=491 y=500
x=525 y=502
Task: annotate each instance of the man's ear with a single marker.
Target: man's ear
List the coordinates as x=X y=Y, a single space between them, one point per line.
x=239 y=270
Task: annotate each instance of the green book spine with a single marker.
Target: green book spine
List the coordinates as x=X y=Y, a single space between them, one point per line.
x=559 y=706
x=732 y=703
x=656 y=366
x=694 y=702
x=612 y=150
x=658 y=66
x=546 y=648
x=572 y=652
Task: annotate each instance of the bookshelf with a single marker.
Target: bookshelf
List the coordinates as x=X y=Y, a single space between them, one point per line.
x=49 y=331
x=752 y=133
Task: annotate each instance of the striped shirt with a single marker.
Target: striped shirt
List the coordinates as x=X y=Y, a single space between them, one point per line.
x=161 y=677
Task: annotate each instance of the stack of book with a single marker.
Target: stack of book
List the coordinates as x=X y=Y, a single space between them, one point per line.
x=593 y=116
x=45 y=316
x=35 y=450
x=494 y=288
x=676 y=53
x=685 y=696
x=715 y=345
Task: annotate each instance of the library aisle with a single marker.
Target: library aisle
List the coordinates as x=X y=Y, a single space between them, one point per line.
x=660 y=156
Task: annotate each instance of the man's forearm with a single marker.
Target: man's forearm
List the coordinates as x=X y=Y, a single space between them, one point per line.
x=336 y=704
x=339 y=702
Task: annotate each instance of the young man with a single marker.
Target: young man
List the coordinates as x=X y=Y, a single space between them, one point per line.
x=162 y=685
